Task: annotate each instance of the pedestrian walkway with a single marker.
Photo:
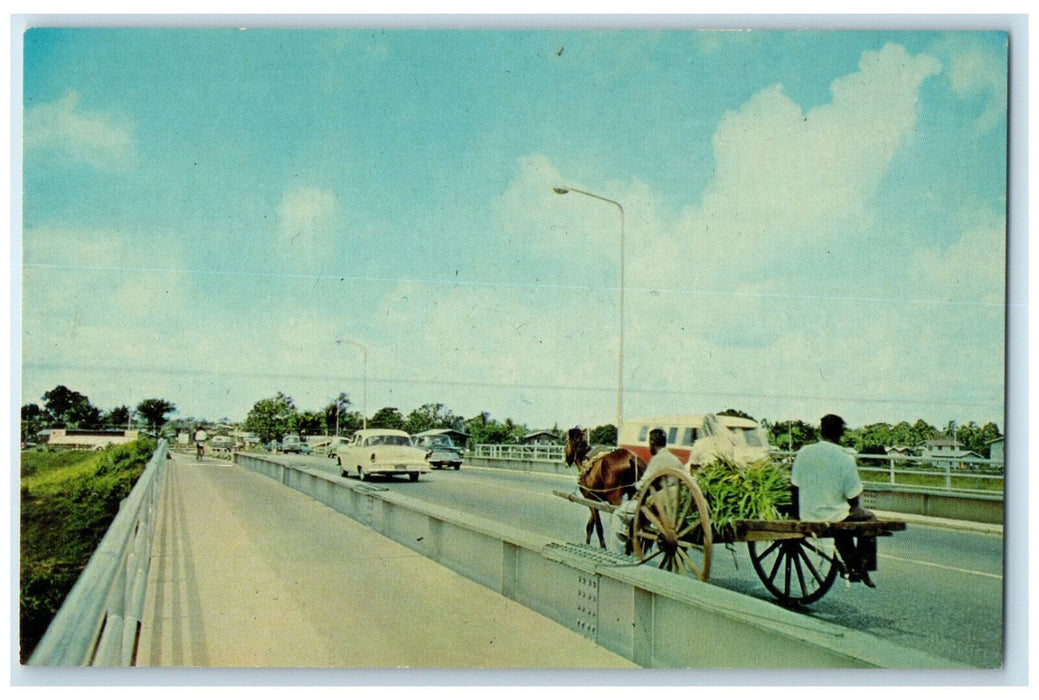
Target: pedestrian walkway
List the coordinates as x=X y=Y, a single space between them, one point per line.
x=248 y=573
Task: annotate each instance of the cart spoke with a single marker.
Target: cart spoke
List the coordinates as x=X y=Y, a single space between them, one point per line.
x=800 y=572
x=687 y=560
x=809 y=564
x=786 y=571
x=777 y=564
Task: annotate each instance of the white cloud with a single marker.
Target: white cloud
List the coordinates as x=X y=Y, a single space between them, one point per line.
x=971 y=270
x=94 y=138
x=788 y=178
x=977 y=72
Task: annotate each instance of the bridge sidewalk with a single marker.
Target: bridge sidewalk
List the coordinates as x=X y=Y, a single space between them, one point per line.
x=247 y=573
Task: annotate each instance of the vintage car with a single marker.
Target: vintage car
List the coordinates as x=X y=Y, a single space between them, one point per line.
x=381 y=451
x=441 y=452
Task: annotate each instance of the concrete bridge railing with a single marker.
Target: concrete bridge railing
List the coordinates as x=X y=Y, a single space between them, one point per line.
x=652 y=617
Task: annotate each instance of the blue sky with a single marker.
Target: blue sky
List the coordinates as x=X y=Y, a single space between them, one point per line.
x=814 y=221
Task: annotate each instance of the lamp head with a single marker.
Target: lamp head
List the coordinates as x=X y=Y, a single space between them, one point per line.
x=560 y=190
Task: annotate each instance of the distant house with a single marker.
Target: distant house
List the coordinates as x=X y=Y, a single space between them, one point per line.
x=948 y=449
x=900 y=451
x=997 y=449
x=541 y=437
x=89 y=439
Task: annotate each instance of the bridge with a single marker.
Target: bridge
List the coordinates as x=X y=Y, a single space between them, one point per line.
x=260 y=562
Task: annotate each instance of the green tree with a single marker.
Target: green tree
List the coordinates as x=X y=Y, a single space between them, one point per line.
x=70 y=409
x=271 y=419
x=154 y=412
x=603 y=435
x=735 y=413
x=336 y=414
x=430 y=416
x=118 y=417
x=791 y=434
x=34 y=419
x=309 y=423
x=388 y=417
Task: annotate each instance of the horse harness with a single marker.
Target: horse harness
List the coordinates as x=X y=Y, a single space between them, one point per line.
x=585 y=466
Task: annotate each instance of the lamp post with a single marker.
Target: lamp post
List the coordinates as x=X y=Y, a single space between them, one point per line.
x=364 y=400
x=620 y=333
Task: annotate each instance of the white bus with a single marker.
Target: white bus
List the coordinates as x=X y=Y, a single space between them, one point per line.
x=700 y=438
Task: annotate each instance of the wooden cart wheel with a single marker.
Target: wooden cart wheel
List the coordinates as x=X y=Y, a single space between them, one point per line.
x=672 y=524
x=796 y=571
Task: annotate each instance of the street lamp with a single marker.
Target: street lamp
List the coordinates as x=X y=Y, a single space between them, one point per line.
x=620 y=334
x=364 y=400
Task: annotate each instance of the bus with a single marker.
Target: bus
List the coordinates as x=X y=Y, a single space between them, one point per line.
x=699 y=439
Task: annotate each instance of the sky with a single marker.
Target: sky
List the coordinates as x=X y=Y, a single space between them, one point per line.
x=813 y=221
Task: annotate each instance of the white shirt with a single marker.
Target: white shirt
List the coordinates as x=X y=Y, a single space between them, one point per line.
x=826 y=477
x=663 y=459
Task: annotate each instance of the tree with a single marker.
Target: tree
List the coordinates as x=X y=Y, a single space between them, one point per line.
x=118 y=417
x=336 y=413
x=735 y=413
x=154 y=412
x=791 y=435
x=388 y=417
x=603 y=435
x=34 y=419
x=430 y=416
x=70 y=409
x=309 y=423
x=271 y=419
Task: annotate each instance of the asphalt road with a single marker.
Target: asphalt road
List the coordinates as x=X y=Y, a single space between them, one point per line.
x=938 y=590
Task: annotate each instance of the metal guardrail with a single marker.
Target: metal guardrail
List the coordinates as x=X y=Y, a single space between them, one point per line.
x=941 y=469
x=100 y=621
x=892 y=466
x=536 y=453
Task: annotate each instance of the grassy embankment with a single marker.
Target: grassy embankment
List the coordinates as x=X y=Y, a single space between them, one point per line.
x=68 y=500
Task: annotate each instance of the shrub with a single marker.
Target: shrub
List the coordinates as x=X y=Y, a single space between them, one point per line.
x=68 y=500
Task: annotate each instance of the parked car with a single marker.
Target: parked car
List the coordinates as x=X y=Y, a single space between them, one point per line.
x=441 y=452
x=381 y=451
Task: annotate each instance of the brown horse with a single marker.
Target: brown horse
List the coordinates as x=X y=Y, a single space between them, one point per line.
x=603 y=476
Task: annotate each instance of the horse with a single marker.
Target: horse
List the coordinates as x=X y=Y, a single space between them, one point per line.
x=602 y=476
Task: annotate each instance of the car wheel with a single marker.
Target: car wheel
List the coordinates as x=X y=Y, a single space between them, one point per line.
x=458 y=466
x=413 y=476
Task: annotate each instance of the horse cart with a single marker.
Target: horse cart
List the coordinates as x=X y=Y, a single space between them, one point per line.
x=671 y=524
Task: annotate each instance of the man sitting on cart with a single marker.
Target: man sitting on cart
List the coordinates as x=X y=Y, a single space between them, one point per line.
x=825 y=487
x=660 y=458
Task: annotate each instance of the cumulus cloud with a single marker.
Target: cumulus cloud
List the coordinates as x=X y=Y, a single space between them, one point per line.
x=786 y=177
x=971 y=270
x=94 y=138
x=976 y=72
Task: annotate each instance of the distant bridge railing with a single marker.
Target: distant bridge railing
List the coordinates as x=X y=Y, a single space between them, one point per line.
x=967 y=475
x=100 y=621
x=527 y=453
